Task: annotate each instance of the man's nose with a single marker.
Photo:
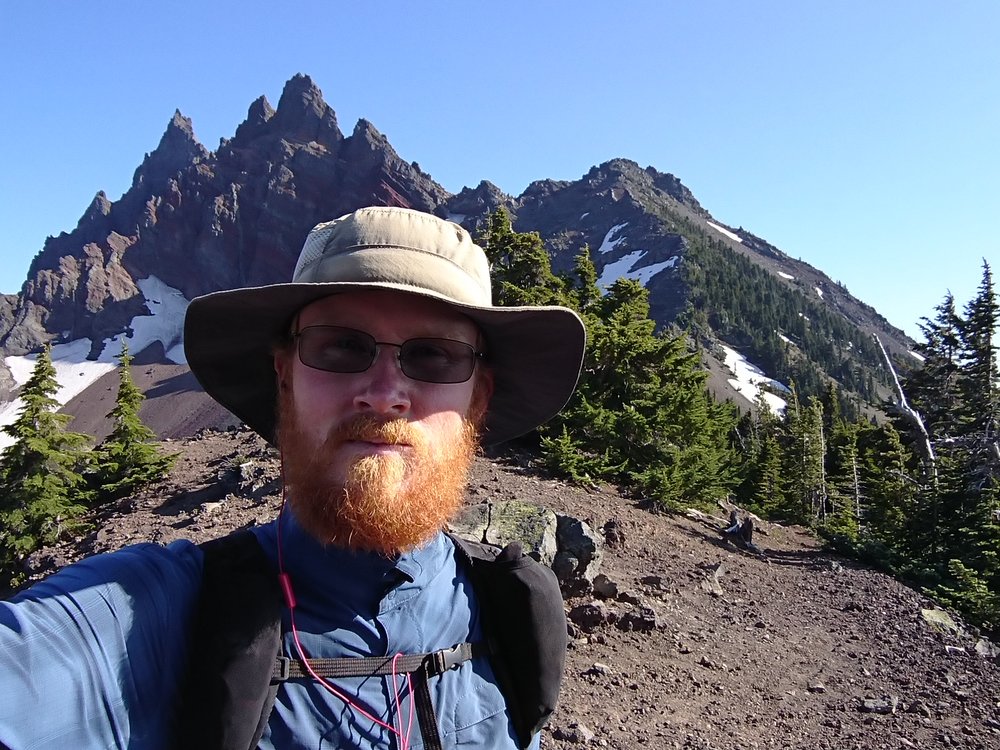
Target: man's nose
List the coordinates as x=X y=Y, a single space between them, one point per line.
x=386 y=389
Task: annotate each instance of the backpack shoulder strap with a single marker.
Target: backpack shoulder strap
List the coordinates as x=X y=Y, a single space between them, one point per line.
x=227 y=693
x=525 y=624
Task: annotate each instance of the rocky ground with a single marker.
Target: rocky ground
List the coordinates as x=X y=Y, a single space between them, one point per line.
x=695 y=643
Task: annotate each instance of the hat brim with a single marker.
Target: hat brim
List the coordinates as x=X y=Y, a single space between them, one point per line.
x=535 y=352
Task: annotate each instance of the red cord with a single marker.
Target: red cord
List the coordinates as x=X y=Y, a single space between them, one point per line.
x=404 y=739
x=289 y=594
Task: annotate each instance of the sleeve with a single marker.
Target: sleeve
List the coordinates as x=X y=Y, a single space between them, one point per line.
x=90 y=657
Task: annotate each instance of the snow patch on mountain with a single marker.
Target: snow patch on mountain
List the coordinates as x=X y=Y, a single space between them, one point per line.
x=75 y=372
x=724 y=231
x=748 y=378
x=609 y=244
x=625 y=267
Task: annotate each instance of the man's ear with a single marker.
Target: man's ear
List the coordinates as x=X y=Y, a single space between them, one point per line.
x=282 y=368
x=482 y=392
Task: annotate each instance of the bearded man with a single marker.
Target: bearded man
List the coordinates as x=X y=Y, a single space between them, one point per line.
x=377 y=372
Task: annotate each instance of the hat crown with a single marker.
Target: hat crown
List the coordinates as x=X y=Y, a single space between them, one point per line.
x=407 y=249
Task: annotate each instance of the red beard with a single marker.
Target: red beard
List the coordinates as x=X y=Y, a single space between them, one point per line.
x=383 y=503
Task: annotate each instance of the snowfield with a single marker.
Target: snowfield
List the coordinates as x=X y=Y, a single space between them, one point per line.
x=748 y=378
x=75 y=372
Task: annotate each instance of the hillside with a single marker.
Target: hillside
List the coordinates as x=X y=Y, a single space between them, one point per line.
x=702 y=646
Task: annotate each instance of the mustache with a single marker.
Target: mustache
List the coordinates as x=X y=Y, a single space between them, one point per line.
x=371 y=429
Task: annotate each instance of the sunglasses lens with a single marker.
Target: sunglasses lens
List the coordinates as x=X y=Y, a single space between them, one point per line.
x=336 y=349
x=437 y=360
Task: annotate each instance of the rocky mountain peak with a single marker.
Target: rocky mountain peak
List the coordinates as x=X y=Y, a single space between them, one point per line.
x=258 y=116
x=304 y=115
x=97 y=216
x=100 y=205
x=364 y=130
x=540 y=189
x=177 y=149
x=478 y=201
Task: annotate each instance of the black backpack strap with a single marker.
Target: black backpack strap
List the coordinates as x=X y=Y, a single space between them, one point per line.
x=227 y=694
x=525 y=625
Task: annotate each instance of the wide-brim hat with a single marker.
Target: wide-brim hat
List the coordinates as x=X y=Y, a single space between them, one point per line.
x=535 y=352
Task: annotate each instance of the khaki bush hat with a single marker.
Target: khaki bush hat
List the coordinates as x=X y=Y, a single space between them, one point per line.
x=535 y=352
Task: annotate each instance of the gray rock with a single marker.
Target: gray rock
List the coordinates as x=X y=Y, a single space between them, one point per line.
x=879 y=706
x=591 y=616
x=711 y=584
x=642 y=619
x=940 y=620
x=987 y=649
x=614 y=534
x=580 y=551
x=472 y=522
x=629 y=597
x=510 y=521
x=604 y=587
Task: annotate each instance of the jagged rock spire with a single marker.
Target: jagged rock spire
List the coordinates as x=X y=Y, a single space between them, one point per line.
x=258 y=116
x=303 y=114
x=177 y=149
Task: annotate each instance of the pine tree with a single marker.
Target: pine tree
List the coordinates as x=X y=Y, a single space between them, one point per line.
x=890 y=491
x=955 y=532
x=933 y=389
x=586 y=293
x=980 y=442
x=520 y=267
x=980 y=384
x=127 y=459
x=641 y=411
x=42 y=488
x=759 y=441
x=843 y=473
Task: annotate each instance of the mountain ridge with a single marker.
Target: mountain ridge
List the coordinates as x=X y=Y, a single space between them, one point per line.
x=202 y=220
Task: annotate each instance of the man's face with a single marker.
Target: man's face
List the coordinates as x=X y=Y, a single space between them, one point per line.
x=375 y=459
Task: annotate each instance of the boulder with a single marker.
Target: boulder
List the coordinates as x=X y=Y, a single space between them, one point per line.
x=578 y=561
x=511 y=521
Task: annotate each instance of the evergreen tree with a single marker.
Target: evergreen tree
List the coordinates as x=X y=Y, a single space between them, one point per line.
x=955 y=534
x=520 y=267
x=586 y=293
x=933 y=389
x=640 y=415
x=642 y=411
x=980 y=443
x=760 y=437
x=42 y=487
x=128 y=459
x=980 y=384
x=843 y=473
x=890 y=490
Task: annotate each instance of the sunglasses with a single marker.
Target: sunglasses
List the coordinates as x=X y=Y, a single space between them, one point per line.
x=337 y=349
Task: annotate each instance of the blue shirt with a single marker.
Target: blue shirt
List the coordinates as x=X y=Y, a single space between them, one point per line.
x=92 y=656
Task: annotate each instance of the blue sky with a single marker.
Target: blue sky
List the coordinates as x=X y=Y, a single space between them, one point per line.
x=861 y=137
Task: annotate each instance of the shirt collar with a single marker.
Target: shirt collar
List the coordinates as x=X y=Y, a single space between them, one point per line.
x=306 y=558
